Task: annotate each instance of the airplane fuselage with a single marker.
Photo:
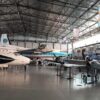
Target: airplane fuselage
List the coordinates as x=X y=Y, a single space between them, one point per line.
x=10 y=57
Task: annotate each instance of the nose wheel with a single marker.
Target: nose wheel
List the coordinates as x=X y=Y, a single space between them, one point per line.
x=25 y=67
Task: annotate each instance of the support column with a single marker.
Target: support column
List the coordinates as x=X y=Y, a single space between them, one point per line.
x=67 y=47
x=53 y=45
x=60 y=46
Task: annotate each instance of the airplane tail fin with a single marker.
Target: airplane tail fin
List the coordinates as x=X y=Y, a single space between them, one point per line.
x=4 y=39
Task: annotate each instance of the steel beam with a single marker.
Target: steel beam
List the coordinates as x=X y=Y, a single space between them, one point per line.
x=69 y=5
x=41 y=10
x=84 y=13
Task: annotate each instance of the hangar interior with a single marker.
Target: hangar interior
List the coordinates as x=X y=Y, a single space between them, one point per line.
x=49 y=21
x=63 y=25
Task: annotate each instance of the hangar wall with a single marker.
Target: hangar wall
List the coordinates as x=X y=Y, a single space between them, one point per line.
x=88 y=41
x=58 y=46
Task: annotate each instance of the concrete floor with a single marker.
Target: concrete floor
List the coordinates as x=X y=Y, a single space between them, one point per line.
x=43 y=84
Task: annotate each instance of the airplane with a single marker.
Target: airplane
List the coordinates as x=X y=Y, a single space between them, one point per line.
x=9 y=55
x=12 y=59
x=44 y=54
x=20 y=55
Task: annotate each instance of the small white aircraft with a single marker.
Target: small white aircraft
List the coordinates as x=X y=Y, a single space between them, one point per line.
x=9 y=55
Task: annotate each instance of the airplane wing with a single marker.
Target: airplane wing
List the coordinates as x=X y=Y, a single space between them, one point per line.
x=32 y=50
x=48 y=53
x=27 y=51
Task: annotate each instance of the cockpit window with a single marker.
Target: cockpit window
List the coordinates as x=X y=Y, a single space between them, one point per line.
x=17 y=54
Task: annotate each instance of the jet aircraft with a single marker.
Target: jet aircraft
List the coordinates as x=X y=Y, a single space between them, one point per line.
x=9 y=55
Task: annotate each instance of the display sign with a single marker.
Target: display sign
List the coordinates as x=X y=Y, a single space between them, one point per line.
x=76 y=32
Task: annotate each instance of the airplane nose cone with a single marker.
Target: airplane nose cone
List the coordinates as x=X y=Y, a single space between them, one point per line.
x=25 y=60
x=28 y=61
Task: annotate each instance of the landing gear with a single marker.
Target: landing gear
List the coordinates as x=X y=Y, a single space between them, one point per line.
x=25 y=67
x=4 y=68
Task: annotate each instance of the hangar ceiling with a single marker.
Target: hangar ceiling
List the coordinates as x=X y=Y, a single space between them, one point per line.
x=54 y=19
